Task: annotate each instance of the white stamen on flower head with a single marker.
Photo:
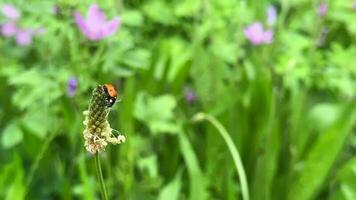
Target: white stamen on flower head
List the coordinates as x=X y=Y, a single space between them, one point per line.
x=121 y=138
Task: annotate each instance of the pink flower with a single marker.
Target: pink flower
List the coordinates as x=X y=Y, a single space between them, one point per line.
x=8 y=29
x=322 y=9
x=95 y=26
x=24 y=37
x=10 y=12
x=257 y=35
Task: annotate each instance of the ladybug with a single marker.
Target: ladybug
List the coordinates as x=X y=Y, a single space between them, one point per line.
x=110 y=93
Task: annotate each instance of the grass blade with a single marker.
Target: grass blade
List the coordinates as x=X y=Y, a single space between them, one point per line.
x=232 y=148
x=321 y=157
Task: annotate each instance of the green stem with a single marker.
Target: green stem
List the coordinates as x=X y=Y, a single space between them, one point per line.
x=232 y=148
x=100 y=176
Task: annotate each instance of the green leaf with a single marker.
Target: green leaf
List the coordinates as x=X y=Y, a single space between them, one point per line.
x=321 y=157
x=346 y=181
x=156 y=112
x=225 y=49
x=11 y=136
x=132 y=18
x=171 y=190
x=160 y=12
x=198 y=190
x=138 y=58
x=149 y=164
x=187 y=8
x=180 y=54
x=16 y=187
x=231 y=147
x=38 y=121
x=324 y=114
x=87 y=186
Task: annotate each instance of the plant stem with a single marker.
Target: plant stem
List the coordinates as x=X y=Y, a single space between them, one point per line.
x=232 y=148
x=100 y=176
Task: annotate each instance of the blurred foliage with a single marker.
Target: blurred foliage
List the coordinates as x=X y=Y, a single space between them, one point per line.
x=288 y=106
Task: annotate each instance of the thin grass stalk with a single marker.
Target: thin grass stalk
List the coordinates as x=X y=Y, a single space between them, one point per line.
x=232 y=148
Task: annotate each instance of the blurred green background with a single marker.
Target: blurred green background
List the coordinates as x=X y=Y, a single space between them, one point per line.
x=288 y=105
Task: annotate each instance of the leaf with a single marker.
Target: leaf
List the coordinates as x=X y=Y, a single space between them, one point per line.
x=132 y=18
x=324 y=114
x=180 y=54
x=39 y=121
x=11 y=136
x=198 y=190
x=138 y=58
x=156 y=112
x=187 y=8
x=172 y=189
x=149 y=164
x=225 y=49
x=321 y=157
x=160 y=12
x=346 y=181
x=32 y=85
x=232 y=148
x=16 y=187
x=86 y=183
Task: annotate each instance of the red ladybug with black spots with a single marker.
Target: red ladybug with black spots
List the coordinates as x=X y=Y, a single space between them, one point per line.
x=111 y=94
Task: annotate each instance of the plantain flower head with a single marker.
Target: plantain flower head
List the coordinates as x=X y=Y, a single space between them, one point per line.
x=98 y=133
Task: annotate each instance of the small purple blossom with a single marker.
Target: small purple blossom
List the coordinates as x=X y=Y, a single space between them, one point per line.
x=257 y=35
x=23 y=37
x=8 y=29
x=190 y=96
x=72 y=86
x=353 y=5
x=10 y=12
x=56 y=9
x=322 y=9
x=271 y=15
x=95 y=26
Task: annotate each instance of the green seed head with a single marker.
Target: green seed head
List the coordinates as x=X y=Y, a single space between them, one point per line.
x=97 y=132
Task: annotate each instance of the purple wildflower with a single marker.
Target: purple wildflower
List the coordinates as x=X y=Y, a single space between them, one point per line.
x=190 y=96
x=257 y=35
x=95 y=26
x=322 y=9
x=72 y=86
x=8 y=29
x=353 y=5
x=271 y=15
x=56 y=9
x=23 y=37
x=10 y=12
